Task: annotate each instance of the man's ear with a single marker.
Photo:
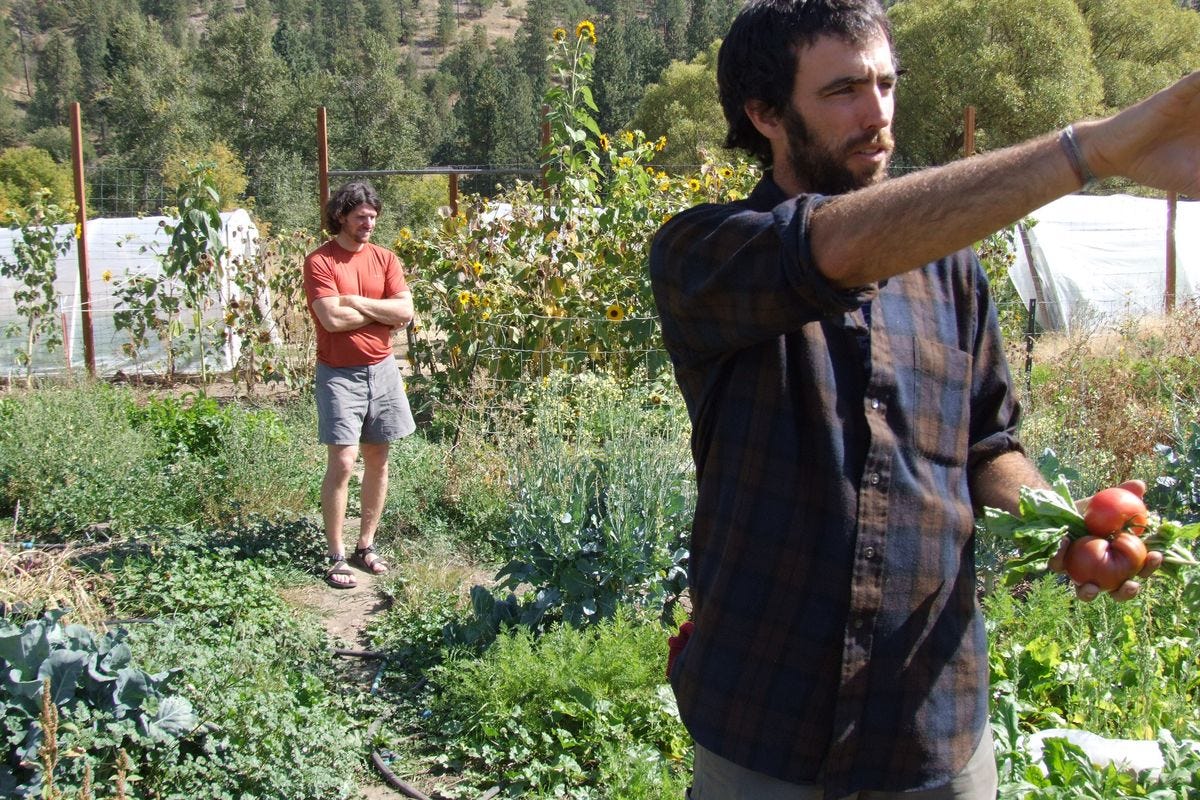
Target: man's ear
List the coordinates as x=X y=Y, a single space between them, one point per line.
x=764 y=118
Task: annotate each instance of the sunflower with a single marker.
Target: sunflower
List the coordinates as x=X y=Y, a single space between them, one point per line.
x=106 y=276
x=693 y=184
x=587 y=30
x=405 y=234
x=559 y=34
x=604 y=143
x=464 y=298
x=614 y=313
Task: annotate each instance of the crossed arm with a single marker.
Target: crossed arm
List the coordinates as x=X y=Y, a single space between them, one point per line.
x=350 y=312
x=903 y=223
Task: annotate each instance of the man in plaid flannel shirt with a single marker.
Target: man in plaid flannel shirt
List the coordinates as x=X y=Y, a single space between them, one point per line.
x=839 y=354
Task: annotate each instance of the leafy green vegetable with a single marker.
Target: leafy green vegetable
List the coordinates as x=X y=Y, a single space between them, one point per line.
x=1045 y=517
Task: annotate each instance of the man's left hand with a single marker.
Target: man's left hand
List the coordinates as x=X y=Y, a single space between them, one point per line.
x=1087 y=592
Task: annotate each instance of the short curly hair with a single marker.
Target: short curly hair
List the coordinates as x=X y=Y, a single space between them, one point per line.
x=346 y=199
x=757 y=59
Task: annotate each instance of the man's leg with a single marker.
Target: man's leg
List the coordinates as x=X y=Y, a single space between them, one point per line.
x=335 y=491
x=374 y=494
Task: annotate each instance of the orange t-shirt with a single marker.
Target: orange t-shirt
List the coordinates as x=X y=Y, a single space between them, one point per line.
x=374 y=272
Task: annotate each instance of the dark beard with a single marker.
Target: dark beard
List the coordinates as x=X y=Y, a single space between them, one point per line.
x=820 y=170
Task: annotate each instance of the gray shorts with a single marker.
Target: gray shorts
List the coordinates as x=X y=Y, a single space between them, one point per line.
x=718 y=779
x=362 y=404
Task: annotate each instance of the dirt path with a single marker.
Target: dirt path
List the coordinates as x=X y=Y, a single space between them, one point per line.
x=345 y=614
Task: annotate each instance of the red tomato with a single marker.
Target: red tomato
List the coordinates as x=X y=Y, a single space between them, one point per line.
x=1108 y=563
x=1113 y=510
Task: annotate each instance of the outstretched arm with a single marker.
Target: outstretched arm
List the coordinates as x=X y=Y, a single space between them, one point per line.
x=900 y=224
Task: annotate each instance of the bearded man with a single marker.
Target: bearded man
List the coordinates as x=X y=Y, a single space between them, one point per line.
x=840 y=358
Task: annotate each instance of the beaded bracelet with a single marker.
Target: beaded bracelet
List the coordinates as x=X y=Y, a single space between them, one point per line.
x=1079 y=166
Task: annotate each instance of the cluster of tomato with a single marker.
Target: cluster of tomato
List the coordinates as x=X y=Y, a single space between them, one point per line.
x=1112 y=552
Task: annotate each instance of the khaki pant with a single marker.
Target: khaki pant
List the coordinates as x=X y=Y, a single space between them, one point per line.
x=716 y=778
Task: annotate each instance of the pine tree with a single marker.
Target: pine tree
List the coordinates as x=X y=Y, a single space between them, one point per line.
x=56 y=82
x=447 y=23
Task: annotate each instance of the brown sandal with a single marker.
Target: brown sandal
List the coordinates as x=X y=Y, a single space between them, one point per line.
x=368 y=560
x=338 y=570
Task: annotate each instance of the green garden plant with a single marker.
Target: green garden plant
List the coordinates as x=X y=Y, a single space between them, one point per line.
x=192 y=269
x=104 y=702
x=602 y=503
x=34 y=267
x=572 y=713
x=270 y=317
x=540 y=279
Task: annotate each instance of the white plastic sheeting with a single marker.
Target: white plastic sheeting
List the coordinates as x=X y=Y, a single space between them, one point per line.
x=119 y=248
x=1106 y=257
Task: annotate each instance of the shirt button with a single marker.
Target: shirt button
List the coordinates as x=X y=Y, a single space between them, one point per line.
x=874 y=478
x=869 y=553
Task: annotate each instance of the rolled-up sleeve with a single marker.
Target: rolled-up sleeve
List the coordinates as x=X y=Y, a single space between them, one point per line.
x=726 y=277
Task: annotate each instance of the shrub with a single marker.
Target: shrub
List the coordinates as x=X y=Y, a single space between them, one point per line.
x=603 y=498
x=536 y=280
x=572 y=713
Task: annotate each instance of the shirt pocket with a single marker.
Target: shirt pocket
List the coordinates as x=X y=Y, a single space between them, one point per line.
x=940 y=386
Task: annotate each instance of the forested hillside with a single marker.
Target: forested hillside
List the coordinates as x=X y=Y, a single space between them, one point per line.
x=407 y=83
x=412 y=83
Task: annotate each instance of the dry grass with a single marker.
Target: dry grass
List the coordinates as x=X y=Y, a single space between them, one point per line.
x=36 y=580
x=1123 y=390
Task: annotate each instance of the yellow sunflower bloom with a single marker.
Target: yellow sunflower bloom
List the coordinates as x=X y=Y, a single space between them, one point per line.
x=586 y=30
x=405 y=234
x=106 y=276
x=464 y=298
x=559 y=34
x=604 y=143
x=693 y=184
x=614 y=313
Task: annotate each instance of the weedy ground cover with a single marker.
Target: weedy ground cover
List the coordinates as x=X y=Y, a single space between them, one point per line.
x=196 y=513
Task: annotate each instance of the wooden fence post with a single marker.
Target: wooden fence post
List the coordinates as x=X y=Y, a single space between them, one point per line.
x=969 y=132
x=1169 y=295
x=322 y=164
x=85 y=290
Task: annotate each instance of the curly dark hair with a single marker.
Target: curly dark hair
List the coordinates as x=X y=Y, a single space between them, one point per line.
x=346 y=199
x=757 y=60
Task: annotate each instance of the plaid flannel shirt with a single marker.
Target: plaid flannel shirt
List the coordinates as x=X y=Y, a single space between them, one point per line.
x=837 y=637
